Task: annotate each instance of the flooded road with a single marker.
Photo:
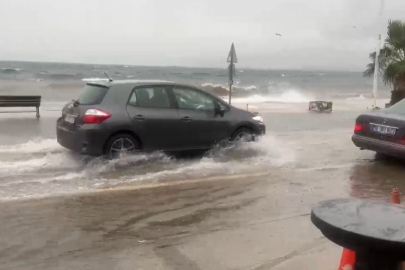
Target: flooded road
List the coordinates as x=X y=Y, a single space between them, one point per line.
x=34 y=165
x=241 y=206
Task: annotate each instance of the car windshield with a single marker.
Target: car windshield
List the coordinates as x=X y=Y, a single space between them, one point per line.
x=398 y=108
x=92 y=95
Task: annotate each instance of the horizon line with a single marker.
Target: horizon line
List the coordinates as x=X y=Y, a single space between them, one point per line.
x=185 y=66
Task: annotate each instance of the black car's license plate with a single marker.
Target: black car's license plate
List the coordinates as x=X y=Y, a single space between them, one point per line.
x=385 y=130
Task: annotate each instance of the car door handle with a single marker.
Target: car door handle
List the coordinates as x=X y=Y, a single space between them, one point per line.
x=186 y=119
x=139 y=117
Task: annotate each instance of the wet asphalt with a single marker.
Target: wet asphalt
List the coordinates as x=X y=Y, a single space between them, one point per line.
x=234 y=219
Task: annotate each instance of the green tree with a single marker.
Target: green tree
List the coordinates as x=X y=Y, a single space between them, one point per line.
x=392 y=60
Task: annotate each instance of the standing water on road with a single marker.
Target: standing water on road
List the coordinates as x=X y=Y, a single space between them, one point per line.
x=42 y=167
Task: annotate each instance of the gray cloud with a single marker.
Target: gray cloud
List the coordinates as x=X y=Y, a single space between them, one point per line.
x=316 y=34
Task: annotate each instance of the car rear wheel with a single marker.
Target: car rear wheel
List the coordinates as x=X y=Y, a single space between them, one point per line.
x=121 y=145
x=243 y=135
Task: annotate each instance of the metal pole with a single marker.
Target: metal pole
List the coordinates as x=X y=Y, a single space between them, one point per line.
x=230 y=90
x=230 y=79
x=376 y=71
x=377 y=56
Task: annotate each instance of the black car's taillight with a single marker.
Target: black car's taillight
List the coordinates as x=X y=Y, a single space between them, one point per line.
x=358 y=127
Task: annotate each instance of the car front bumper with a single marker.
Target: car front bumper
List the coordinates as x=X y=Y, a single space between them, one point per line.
x=379 y=146
x=260 y=129
x=86 y=139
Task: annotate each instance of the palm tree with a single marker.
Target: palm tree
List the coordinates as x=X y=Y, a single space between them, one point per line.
x=392 y=60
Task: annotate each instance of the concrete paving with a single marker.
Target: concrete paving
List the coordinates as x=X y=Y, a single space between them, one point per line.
x=240 y=223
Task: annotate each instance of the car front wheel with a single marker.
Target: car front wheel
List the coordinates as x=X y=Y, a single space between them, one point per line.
x=243 y=135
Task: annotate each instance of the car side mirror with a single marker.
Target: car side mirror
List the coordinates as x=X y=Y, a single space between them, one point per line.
x=219 y=111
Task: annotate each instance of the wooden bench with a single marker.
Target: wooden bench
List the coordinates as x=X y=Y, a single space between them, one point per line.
x=21 y=101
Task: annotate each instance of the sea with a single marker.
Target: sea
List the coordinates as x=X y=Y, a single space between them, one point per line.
x=33 y=164
x=63 y=81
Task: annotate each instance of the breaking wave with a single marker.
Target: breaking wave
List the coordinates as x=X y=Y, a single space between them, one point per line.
x=95 y=80
x=361 y=97
x=290 y=96
x=10 y=70
x=246 y=88
x=223 y=90
x=225 y=87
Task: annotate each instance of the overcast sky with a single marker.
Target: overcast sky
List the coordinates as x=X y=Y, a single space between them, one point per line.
x=316 y=34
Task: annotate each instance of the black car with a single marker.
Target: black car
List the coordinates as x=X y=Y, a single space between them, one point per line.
x=382 y=131
x=115 y=117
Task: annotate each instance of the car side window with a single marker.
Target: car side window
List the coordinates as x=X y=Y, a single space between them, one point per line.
x=132 y=99
x=190 y=99
x=150 y=97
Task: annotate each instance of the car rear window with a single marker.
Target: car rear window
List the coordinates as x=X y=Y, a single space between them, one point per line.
x=92 y=95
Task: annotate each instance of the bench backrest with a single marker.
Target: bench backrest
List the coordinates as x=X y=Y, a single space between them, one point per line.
x=20 y=101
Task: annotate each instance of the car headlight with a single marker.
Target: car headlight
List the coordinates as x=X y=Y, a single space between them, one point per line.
x=258 y=118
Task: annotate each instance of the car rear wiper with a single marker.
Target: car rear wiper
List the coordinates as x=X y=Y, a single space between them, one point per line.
x=75 y=103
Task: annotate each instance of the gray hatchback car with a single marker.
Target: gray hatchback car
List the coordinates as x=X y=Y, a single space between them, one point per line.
x=116 y=117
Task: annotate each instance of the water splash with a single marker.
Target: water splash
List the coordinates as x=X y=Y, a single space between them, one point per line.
x=63 y=171
x=36 y=145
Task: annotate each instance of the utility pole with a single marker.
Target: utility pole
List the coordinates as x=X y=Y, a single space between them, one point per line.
x=377 y=57
x=232 y=58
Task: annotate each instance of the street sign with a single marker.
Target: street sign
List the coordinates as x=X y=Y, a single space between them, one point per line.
x=232 y=58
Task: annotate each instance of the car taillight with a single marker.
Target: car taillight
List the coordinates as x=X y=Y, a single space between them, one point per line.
x=358 y=127
x=95 y=116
